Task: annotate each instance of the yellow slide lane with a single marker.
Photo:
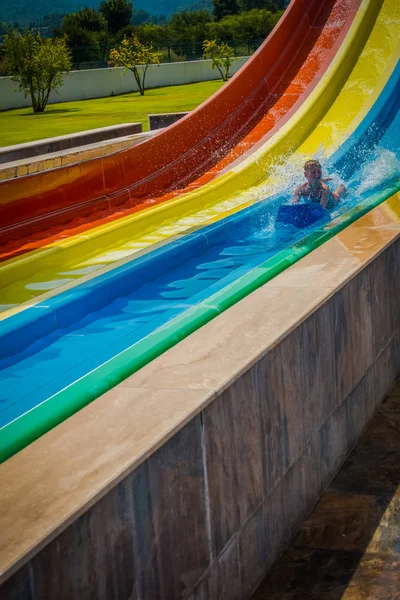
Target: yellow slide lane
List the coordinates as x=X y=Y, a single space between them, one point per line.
x=333 y=110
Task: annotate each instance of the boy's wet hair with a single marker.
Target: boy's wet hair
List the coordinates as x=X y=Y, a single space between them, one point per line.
x=312 y=163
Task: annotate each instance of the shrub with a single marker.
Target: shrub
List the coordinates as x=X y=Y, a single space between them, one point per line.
x=222 y=56
x=135 y=57
x=36 y=64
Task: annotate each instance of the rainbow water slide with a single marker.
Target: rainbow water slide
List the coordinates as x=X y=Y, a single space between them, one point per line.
x=83 y=311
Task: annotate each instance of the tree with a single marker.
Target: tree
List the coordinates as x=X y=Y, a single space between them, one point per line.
x=36 y=64
x=222 y=56
x=271 y=5
x=84 y=45
x=85 y=31
x=223 y=8
x=87 y=18
x=117 y=13
x=187 y=32
x=189 y=25
x=135 y=57
x=153 y=34
x=252 y=25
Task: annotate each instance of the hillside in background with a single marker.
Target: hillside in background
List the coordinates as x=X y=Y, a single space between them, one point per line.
x=28 y=11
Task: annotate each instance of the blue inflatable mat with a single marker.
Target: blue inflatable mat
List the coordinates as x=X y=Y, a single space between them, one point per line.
x=300 y=215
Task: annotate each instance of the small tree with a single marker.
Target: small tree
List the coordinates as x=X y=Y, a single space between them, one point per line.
x=222 y=56
x=135 y=57
x=36 y=64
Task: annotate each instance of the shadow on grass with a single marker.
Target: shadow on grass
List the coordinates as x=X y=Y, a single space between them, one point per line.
x=52 y=111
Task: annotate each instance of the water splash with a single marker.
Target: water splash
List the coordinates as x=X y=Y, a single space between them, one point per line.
x=383 y=168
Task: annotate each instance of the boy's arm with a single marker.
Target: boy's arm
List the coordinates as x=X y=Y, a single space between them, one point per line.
x=324 y=196
x=297 y=194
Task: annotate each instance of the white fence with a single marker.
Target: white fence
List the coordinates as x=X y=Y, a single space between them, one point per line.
x=99 y=83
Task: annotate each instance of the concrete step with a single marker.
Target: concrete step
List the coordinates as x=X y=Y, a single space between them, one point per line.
x=64 y=142
x=52 y=160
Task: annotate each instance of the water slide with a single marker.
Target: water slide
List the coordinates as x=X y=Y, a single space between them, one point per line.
x=109 y=302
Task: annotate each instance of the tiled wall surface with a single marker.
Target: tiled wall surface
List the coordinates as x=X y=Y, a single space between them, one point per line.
x=207 y=514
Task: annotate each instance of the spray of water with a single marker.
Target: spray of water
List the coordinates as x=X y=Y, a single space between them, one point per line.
x=384 y=167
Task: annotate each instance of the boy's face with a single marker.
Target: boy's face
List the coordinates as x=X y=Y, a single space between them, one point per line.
x=312 y=173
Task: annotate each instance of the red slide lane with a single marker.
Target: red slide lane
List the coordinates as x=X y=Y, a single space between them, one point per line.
x=176 y=155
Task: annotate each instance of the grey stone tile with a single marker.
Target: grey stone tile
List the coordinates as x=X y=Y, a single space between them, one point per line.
x=333 y=444
x=354 y=350
x=358 y=409
x=385 y=285
x=232 y=438
x=171 y=540
x=275 y=524
x=222 y=581
x=18 y=586
x=62 y=569
x=93 y=557
x=365 y=399
x=291 y=500
x=253 y=552
x=298 y=392
x=317 y=369
x=386 y=370
x=294 y=502
x=278 y=379
x=111 y=532
x=311 y=473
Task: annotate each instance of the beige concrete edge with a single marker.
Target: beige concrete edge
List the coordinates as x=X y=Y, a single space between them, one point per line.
x=56 y=479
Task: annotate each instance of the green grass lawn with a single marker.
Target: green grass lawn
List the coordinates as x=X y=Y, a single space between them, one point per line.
x=22 y=125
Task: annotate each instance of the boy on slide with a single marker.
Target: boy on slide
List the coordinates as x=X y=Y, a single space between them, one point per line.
x=316 y=190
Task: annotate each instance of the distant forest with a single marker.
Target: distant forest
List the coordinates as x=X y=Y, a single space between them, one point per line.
x=91 y=32
x=49 y=13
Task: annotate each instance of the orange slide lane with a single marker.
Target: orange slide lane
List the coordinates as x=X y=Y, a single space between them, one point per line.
x=291 y=87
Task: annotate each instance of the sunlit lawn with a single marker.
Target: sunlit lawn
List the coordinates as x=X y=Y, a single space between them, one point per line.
x=22 y=125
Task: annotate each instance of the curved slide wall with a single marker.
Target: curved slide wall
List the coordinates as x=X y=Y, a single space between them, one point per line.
x=269 y=83
x=78 y=380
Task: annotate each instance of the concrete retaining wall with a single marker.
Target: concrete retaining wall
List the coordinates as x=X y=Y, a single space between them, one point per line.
x=161 y=120
x=205 y=515
x=99 y=83
x=28 y=166
x=66 y=142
